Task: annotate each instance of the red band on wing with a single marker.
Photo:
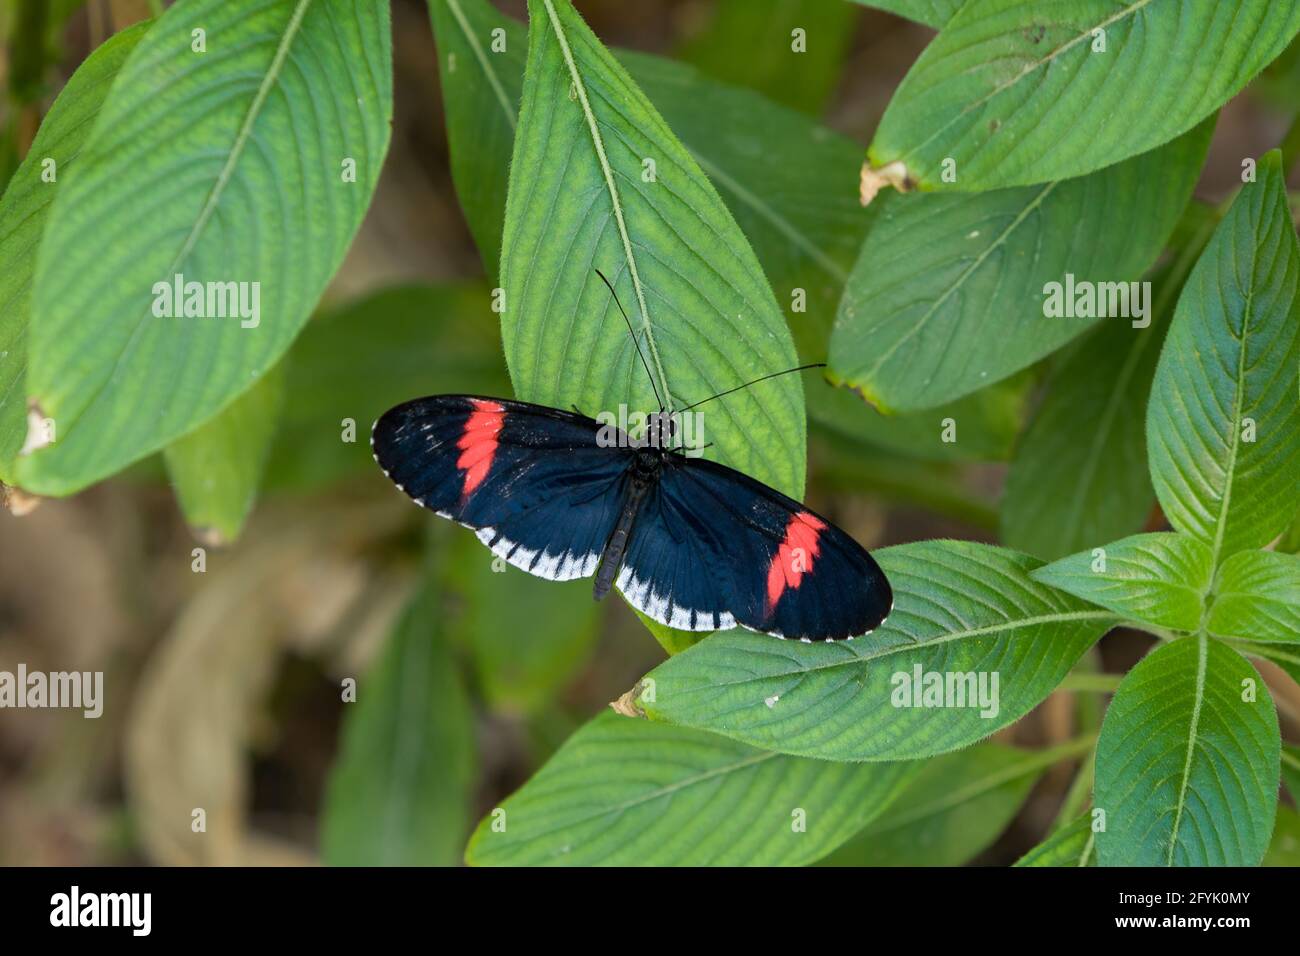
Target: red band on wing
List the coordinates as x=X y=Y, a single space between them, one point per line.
x=478 y=443
x=794 y=557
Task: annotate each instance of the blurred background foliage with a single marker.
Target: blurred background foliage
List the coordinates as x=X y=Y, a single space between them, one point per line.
x=225 y=688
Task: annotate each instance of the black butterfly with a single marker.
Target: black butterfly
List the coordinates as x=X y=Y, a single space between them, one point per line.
x=692 y=544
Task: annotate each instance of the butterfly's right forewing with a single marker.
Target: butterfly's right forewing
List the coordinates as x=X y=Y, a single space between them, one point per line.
x=532 y=481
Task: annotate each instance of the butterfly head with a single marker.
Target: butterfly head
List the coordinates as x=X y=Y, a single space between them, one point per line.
x=661 y=430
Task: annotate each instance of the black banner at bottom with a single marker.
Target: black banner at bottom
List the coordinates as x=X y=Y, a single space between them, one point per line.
x=336 y=906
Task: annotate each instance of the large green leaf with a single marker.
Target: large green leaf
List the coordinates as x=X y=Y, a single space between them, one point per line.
x=400 y=792
x=1016 y=93
x=23 y=214
x=354 y=362
x=949 y=293
x=787 y=180
x=959 y=608
x=216 y=469
x=1079 y=477
x=632 y=793
x=1187 y=763
x=1073 y=845
x=933 y=13
x=224 y=166
x=581 y=198
x=953 y=808
x=527 y=635
x=1161 y=578
x=783 y=178
x=1223 y=425
x=482 y=75
x=1257 y=596
x=780 y=173
x=755 y=45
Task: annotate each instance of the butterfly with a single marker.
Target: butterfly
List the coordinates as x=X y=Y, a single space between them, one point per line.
x=689 y=542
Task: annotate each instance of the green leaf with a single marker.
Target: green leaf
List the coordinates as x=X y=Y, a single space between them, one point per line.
x=959 y=608
x=481 y=84
x=859 y=469
x=696 y=296
x=952 y=810
x=249 y=142
x=1257 y=597
x=951 y=293
x=783 y=177
x=1284 y=847
x=754 y=44
x=1223 y=425
x=1161 y=578
x=1187 y=771
x=23 y=214
x=1072 y=845
x=354 y=362
x=778 y=172
x=633 y=793
x=1284 y=657
x=1018 y=93
x=527 y=635
x=981 y=426
x=399 y=794
x=933 y=13
x=1079 y=477
x=216 y=469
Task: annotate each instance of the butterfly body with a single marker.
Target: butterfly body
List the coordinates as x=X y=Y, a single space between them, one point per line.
x=691 y=543
x=641 y=476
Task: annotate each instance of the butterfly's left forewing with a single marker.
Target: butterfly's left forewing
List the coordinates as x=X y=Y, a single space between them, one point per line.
x=531 y=481
x=714 y=548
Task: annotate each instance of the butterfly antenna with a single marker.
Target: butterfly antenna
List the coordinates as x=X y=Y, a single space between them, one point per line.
x=762 y=378
x=644 y=363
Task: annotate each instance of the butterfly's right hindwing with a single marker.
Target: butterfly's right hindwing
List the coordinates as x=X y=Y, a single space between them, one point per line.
x=531 y=481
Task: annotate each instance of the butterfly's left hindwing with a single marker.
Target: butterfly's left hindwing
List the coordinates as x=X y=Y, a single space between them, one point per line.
x=714 y=548
x=531 y=481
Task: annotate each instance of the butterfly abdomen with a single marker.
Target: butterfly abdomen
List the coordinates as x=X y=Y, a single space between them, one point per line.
x=611 y=558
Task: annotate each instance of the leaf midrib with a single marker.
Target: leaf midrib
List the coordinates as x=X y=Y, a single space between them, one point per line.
x=598 y=144
x=1234 y=426
x=218 y=186
x=485 y=64
x=1202 y=653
